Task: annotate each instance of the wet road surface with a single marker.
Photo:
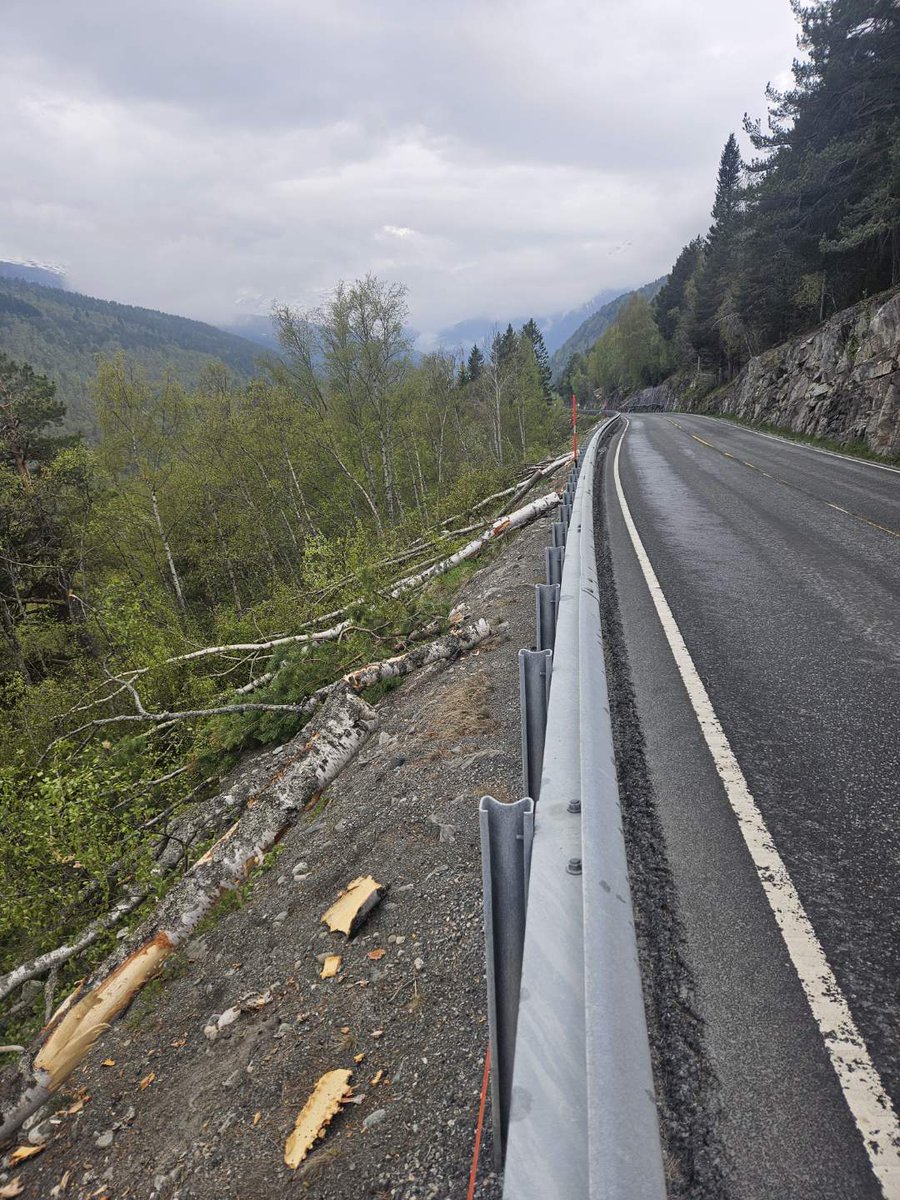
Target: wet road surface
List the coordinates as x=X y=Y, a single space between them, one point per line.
x=781 y=567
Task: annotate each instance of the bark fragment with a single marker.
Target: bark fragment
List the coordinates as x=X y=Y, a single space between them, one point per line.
x=316 y=1115
x=353 y=905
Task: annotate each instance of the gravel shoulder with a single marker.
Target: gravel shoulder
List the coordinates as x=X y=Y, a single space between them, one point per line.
x=175 y=1104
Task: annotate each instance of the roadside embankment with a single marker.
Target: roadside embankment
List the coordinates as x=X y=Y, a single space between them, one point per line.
x=840 y=383
x=194 y=1091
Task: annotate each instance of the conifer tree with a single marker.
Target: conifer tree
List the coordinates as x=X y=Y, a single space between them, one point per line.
x=28 y=405
x=475 y=364
x=532 y=334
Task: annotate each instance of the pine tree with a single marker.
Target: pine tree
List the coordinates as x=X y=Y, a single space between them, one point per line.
x=504 y=345
x=475 y=364
x=719 y=264
x=531 y=333
x=669 y=300
x=28 y=405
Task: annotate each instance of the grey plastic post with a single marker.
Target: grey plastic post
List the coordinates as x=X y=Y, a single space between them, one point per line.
x=546 y=603
x=565 y=511
x=557 y=533
x=554 y=557
x=534 y=693
x=506 y=834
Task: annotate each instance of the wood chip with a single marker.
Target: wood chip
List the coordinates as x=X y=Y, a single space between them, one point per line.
x=357 y=1058
x=331 y=966
x=146 y=1081
x=376 y=954
x=22 y=1152
x=316 y=1115
x=108 y=1062
x=257 y=1117
x=376 y=1078
x=353 y=905
x=15 y=1187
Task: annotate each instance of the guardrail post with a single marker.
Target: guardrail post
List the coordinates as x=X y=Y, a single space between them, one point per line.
x=506 y=833
x=554 y=557
x=546 y=602
x=565 y=511
x=534 y=694
x=557 y=533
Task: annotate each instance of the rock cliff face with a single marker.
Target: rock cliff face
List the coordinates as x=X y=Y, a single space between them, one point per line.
x=841 y=382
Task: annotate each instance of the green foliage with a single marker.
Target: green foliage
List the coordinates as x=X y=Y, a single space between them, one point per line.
x=630 y=355
x=590 y=330
x=226 y=513
x=62 y=333
x=812 y=223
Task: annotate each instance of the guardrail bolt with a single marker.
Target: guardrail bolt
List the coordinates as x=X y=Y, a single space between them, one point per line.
x=574 y=806
x=574 y=867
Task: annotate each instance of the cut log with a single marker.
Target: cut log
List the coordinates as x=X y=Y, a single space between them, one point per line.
x=515 y=520
x=449 y=646
x=334 y=738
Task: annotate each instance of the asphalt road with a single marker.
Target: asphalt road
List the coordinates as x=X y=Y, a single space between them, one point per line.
x=781 y=567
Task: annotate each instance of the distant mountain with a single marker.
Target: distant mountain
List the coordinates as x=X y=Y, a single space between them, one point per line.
x=32 y=272
x=62 y=333
x=555 y=328
x=597 y=323
x=255 y=328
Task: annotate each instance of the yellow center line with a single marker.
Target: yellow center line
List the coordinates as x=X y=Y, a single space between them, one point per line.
x=794 y=487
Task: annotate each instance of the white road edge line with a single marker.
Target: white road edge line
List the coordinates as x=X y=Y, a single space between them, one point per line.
x=862 y=1087
x=773 y=437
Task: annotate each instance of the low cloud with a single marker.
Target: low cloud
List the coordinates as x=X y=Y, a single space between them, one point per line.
x=496 y=158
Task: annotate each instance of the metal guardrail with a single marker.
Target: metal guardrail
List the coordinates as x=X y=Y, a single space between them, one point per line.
x=573 y=1104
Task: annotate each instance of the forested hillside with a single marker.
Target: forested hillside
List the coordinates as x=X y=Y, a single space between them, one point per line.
x=595 y=325
x=61 y=333
x=807 y=227
x=188 y=587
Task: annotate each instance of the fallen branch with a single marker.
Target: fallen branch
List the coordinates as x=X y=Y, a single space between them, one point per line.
x=322 y=635
x=55 y=958
x=540 y=472
x=451 y=645
x=503 y=525
x=343 y=726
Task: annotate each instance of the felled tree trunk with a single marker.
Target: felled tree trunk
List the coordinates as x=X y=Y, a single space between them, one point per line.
x=331 y=742
x=442 y=648
x=521 y=516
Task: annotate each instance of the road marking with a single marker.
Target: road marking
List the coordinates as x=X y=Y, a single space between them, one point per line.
x=773 y=437
x=786 y=482
x=863 y=1090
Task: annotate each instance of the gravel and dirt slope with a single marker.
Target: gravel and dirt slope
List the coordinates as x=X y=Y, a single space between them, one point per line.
x=171 y=1105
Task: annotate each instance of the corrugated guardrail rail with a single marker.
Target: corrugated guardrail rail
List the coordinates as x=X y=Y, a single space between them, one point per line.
x=574 y=1105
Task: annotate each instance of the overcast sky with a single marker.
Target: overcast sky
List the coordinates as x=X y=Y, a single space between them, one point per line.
x=207 y=156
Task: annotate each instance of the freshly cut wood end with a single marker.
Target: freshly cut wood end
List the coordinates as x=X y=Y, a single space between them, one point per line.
x=331 y=966
x=353 y=905
x=316 y=1115
x=93 y=1011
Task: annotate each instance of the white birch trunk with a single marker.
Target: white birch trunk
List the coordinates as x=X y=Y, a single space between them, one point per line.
x=340 y=730
x=503 y=525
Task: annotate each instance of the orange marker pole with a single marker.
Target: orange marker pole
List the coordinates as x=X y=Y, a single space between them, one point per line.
x=574 y=429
